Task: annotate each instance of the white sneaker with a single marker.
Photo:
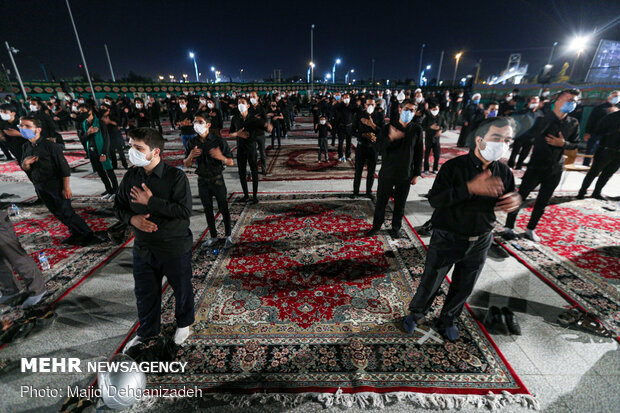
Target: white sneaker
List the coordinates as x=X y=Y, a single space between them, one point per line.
x=209 y=242
x=106 y=197
x=111 y=197
x=181 y=335
x=531 y=235
x=228 y=243
x=133 y=342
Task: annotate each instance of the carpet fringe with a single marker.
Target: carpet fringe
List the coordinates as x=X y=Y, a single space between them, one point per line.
x=435 y=401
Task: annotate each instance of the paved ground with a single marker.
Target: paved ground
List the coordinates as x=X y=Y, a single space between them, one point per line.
x=567 y=371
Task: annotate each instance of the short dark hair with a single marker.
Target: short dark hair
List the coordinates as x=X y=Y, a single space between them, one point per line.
x=32 y=119
x=433 y=104
x=407 y=102
x=204 y=115
x=150 y=136
x=572 y=91
x=85 y=106
x=8 y=106
x=495 y=102
x=498 y=122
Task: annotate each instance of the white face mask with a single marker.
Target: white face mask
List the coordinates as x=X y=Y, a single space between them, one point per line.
x=418 y=99
x=370 y=109
x=253 y=101
x=233 y=96
x=80 y=101
x=242 y=107
x=278 y=98
x=138 y=158
x=493 y=151
x=5 y=116
x=182 y=105
x=138 y=105
x=67 y=97
x=34 y=108
x=203 y=102
x=208 y=94
x=200 y=128
x=323 y=122
x=74 y=108
x=545 y=94
x=434 y=112
x=533 y=106
x=210 y=105
x=508 y=98
x=346 y=100
x=168 y=96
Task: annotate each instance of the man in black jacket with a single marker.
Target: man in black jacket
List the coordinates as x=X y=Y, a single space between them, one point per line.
x=366 y=127
x=401 y=143
x=591 y=136
x=434 y=125
x=465 y=194
x=155 y=199
x=523 y=143
x=607 y=156
x=345 y=115
x=552 y=134
x=211 y=153
x=9 y=132
x=472 y=113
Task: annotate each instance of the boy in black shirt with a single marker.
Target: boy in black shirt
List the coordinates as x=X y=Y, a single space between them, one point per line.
x=323 y=128
x=211 y=153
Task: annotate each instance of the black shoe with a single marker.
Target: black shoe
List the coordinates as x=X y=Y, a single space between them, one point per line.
x=91 y=239
x=371 y=197
x=511 y=321
x=354 y=195
x=372 y=232
x=425 y=229
x=254 y=201
x=494 y=321
x=71 y=240
x=581 y=195
x=244 y=199
x=395 y=233
x=600 y=196
x=496 y=251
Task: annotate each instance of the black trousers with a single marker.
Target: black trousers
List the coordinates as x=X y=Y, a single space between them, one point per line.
x=520 y=148
x=107 y=177
x=116 y=148
x=61 y=208
x=548 y=182
x=260 y=141
x=462 y=141
x=386 y=188
x=445 y=250
x=344 y=135
x=156 y=122
x=148 y=272
x=431 y=143
x=15 y=144
x=365 y=154
x=246 y=154
x=207 y=189
x=13 y=257
x=6 y=149
x=323 y=148
x=606 y=162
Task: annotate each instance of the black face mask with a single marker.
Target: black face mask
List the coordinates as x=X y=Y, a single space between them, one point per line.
x=81 y=117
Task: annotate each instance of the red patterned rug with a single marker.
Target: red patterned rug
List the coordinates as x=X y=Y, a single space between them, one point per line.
x=11 y=172
x=299 y=162
x=39 y=231
x=579 y=254
x=305 y=303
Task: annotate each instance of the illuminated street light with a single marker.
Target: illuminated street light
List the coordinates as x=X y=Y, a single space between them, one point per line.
x=334 y=70
x=456 y=66
x=193 y=57
x=346 y=76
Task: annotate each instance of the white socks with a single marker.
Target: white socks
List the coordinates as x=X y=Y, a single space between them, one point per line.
x=181 y=335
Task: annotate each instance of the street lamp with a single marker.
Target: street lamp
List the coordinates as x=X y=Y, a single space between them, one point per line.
x=161 y=78
x=327 y=77
x=422 y=77
x=334 y=71
x=193 y=56
x=171 y=77
x=578 y=44
x=310 y=69
x=456 y=66
x=185 y=77
x=241 y=75
x=346 y=76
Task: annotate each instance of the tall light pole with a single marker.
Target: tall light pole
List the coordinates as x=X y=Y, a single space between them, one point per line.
x=578 y=44
x=311 y=59
x=456 y=66
x=551 y=54
x=193 y=57
x=439 y=69
x=77 y=37
x=346 y=76
x=372 y=75
x=337 y=62
x=310 y=69
x=478 y=71
x=421 y=55
x=105 y=46
x=241 y=75
x=12 y=50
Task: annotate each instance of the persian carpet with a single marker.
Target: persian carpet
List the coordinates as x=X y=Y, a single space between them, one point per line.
x=579 y=253
x=39 y=231
x=304 y=302
x=11 y=172
x=299 y=162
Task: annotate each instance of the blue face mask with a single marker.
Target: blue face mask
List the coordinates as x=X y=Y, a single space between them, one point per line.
x=27 y=133
x=568 y=107
x=337 y=97
x=406 y=116
x=476 y=101
x=615 y=100
x=492 y=113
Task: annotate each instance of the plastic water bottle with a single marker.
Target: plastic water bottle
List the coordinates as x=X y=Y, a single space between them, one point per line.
x=15 y=210
x=45 y=264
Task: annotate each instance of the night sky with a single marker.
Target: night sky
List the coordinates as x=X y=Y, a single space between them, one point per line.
x=152 y=37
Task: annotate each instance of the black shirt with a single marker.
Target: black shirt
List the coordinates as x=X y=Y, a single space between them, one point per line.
x=51 y=166
x=609 y=130
x=170 y=208
x=181 y=116
x=596 y=115
x=360 y=128
x=402 y=158
x=544 y=156
x=456 y=210
x=250 y=124
x=207 y=167
x=430 y=120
